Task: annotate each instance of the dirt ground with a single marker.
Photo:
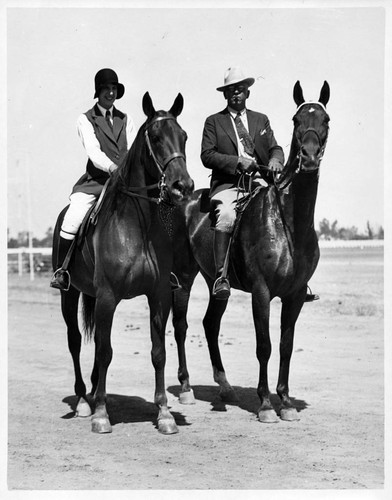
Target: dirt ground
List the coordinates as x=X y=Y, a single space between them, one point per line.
x=337 y=381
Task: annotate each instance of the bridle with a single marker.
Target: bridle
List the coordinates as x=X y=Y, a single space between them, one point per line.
x=279 y=182
x=320 y=154
x=300 y=142
x=161 y=166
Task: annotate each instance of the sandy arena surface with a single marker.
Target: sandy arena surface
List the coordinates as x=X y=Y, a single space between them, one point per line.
x=337 y=382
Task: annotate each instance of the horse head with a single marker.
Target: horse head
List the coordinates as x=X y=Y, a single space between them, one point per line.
x=165 y=141
x=310 y=128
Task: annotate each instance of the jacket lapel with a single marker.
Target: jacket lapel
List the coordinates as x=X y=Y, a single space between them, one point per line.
x=227 y=125
x=252 y=121
x=104 y=126
x=118 y=122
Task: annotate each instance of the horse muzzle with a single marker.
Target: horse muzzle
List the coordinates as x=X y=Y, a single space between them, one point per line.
x=181 y=190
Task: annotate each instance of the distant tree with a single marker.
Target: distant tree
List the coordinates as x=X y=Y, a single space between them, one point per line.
x=369 y=231
x=328 y=231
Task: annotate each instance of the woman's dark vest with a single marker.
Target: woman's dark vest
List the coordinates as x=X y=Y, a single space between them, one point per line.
x=113 y=142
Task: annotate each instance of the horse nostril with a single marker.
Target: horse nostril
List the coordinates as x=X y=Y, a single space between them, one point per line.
x=303 y=151
x=184 y=187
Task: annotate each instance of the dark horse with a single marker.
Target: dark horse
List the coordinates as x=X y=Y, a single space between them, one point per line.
x=129 y=253
x=274 y=253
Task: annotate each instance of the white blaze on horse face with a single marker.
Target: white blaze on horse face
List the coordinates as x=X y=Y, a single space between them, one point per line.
x=311 y=110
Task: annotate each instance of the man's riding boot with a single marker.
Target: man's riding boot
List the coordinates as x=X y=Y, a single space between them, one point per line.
x=61 y=278
x=221 y=288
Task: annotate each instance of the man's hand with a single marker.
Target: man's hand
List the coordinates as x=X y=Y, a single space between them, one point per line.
x=274 y=165
x=247 y=165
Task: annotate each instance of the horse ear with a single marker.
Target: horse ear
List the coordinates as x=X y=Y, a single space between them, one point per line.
x=177 y=106
x=148 y=106
x=324 y=94
x=298 y=94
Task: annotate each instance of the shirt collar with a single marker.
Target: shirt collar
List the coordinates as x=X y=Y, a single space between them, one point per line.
x=103 y=110
x=234 y=113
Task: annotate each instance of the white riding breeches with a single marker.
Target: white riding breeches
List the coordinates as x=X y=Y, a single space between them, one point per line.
x=225 y=203
x=78 y=208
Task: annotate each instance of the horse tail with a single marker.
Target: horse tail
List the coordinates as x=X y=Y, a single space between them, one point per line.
x=88 y=308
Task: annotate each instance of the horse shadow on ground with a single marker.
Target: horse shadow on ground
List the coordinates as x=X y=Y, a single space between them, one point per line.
x=248 y=400
x=126 y=410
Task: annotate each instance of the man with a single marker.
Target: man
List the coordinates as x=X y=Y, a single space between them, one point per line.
x=106 y=134
x=234 y=141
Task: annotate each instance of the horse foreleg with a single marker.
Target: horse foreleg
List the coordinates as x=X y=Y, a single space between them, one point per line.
x=159 y=312
x=261 y=317
x=289 y=315
x=211 y=323
x=180 y=324
x=104 y=311
x=69 y=309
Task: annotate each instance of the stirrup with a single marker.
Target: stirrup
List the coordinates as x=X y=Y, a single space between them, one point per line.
x=174 y=283
x=223 y=294
x=55 y=284
x=311 y=297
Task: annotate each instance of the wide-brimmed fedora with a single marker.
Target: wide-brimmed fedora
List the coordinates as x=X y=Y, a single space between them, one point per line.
x=233 y=76
x=105 y=76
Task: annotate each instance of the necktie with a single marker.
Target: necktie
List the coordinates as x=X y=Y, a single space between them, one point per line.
x=244 y=135
x=107 y=116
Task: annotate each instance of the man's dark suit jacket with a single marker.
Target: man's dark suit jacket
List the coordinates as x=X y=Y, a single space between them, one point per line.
x=219 y=150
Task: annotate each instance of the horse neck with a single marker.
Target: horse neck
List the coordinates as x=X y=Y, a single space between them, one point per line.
x=302 y=197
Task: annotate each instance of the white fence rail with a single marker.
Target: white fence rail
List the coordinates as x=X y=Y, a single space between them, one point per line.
x=25 y=255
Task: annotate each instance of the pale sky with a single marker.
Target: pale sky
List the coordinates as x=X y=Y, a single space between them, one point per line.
x=54 y=53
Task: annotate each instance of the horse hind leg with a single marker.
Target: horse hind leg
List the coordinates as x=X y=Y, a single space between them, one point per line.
x=69 y=308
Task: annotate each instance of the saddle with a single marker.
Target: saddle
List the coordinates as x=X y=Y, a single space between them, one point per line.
x=91 y=216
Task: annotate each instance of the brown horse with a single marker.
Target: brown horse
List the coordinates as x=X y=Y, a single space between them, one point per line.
x=274 y=253
x=129 y=253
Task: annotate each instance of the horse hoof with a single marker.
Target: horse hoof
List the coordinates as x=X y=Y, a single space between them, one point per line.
x=187 y=398
x=167 y=426
x=268 y=416
x=289 y=414
x=101 y=425
x=229 y=396
x=83 y=409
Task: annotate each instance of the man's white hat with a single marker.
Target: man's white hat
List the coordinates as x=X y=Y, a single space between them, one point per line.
x=233 y=76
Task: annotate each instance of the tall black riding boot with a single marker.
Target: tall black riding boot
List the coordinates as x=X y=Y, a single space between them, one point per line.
x=61 y=278
x=221 y=288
